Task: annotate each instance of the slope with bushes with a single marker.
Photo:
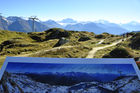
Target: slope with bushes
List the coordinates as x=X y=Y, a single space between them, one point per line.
x=79 y=44
x=21 y=44
x=129 y=48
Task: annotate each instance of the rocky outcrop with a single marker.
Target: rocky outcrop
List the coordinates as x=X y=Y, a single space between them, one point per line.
x=61 y=42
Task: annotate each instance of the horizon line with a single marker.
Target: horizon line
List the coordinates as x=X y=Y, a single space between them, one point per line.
x=78 y=21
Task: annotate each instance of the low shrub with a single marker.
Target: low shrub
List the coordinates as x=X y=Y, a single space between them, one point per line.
x=118 y=53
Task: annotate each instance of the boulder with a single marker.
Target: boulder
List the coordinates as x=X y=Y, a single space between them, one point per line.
x=61 y=42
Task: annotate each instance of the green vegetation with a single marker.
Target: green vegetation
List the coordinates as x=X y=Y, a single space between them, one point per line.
x=29 y=44
x=74 y=44
x=118 y=53
x=130 y=47
x=102 y=52
x=84 y=38
x=135 y=41
x=110 y=40
x=54 y=33
x=126 y=45
x=6 y=35
x=57 y=33
x=72 y=52
x=104 y=35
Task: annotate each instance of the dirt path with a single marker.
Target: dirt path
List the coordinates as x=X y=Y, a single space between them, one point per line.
x=53 y=49
x=40 y=51
x=100 y=42
x=95 y=49
x=26 y=55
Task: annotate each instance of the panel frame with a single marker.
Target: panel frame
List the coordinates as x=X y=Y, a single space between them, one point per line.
x=70 y=61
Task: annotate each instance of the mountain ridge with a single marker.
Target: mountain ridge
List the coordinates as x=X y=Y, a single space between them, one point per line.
x=14 y=23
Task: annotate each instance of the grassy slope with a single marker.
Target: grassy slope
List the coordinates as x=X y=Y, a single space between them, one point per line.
x=23 y=44
x=79 y=49
x=125 y=44
x=6 y=35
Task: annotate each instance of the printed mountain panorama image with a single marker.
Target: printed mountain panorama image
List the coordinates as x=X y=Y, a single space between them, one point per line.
x=69 y=78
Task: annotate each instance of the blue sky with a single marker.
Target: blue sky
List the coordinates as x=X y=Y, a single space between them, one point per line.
x=82 y=10
x=97 y=68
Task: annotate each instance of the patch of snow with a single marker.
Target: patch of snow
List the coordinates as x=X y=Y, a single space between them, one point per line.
x=26 y=84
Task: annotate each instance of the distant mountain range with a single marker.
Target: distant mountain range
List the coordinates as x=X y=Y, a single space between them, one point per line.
x=133 y=26
x=52 y=24
x=14 y=23
x=72 y=77
x=97 y=28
